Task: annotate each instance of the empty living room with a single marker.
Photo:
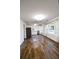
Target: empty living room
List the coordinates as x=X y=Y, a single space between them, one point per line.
x=39 y=29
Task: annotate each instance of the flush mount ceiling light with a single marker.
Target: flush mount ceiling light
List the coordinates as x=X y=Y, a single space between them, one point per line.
x=39 y=17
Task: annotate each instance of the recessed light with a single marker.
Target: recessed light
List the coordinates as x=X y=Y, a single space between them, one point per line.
x=39 y=17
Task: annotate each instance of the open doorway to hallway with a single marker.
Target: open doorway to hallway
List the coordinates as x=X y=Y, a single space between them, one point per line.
x=39 y=28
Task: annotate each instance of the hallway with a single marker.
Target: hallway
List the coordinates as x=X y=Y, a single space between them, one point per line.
x=39 y=47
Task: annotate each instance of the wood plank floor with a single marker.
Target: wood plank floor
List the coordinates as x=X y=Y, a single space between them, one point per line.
x=39 y=47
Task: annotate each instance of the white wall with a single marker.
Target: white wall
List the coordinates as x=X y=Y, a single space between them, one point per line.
x=36 y=28
x=54 y=35
x=22 y=31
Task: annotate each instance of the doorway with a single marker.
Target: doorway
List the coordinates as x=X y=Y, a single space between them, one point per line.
x=28 y=32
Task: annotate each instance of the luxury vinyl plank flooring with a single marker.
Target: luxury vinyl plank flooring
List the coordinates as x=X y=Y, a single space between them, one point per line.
x=39 y=47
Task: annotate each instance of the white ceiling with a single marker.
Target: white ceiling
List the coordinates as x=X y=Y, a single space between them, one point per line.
x=30 y=8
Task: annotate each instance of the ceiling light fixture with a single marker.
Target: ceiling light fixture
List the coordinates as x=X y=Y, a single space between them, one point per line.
x=39 y=17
